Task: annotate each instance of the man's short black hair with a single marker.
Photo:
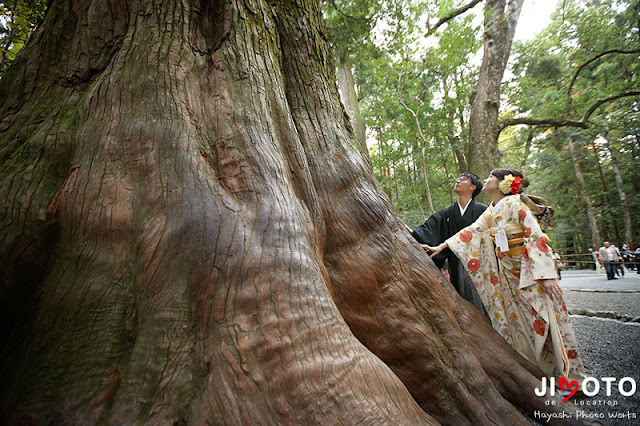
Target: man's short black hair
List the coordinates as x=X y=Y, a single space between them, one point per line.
x=475 y=180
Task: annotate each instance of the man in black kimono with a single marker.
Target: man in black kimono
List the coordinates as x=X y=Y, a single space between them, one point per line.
x=446 y=223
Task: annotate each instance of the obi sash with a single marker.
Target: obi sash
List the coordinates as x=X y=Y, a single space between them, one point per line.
x=514 y=237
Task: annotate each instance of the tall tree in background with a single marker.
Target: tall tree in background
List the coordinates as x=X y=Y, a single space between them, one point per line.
x=190 y=233
x=582 y=72
x=626 y=212
x=500 y=20
x=349 y=25
x=586 y=201
x=418 y=94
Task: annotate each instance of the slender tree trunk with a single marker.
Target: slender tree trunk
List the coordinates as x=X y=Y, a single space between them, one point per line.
x=635 y=150
x=527 y=146
x=500 y=25
x=595 y=236
x=635 y=181
x=423 y=144
x=608 y=225
x=626 y=213
x=426 y=178
x=454 y=141
x=350 y=99
x=384 y=169
x=444 y=165
x=191 y=234
x=414 y=184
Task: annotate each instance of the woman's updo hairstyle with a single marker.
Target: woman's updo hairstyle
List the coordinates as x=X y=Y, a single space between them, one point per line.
x=516 y=184
x=538 y=206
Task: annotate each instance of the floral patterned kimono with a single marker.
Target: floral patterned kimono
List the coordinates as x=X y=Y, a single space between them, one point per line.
x=534 y=324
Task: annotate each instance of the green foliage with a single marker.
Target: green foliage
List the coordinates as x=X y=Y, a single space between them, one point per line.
x=349 y=24
x=544 y=69
x=18 y=19
x=416 y=93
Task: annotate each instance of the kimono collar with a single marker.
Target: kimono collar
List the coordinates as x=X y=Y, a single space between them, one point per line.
x=504 y=198
x=464 y=209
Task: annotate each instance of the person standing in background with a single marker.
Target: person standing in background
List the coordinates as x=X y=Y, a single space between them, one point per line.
x=609 y=257
x=626 y=257
x=596 y=263
x=619 y=262
x=559 y=264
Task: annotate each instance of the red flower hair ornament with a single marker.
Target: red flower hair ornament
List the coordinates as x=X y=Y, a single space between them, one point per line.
x=510 y=185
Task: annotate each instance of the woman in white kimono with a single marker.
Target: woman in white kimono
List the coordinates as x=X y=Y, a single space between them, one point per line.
x=511 y=265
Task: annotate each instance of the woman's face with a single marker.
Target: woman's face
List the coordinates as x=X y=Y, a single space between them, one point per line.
x=490 y=184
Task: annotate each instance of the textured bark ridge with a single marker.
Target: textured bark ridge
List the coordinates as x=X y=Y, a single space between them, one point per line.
x=189 y=232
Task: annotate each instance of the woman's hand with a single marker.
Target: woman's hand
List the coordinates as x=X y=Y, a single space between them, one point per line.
x=435 y=250
x=551 y=287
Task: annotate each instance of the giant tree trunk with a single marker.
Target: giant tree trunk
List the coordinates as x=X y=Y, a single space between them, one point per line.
x=190 y=233
x=500 y=19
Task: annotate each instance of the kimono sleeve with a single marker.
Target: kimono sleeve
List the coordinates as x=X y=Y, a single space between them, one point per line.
x=433 y=233
x=429 y=232
x=473 y=246
x=537 y=256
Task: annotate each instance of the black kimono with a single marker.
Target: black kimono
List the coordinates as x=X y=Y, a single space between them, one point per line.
x=443 y=225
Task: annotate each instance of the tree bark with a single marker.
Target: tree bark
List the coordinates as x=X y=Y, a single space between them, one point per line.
x=190 y=233
x=500 y=25
x=350 y=99
x=626 y=213
x=595 y=235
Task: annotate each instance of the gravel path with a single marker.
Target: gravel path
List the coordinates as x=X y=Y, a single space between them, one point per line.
x=609 y=348
x=620 y=303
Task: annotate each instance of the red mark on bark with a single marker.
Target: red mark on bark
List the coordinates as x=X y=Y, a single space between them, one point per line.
x=113 y=380
x=53 y=207
x=157 y=296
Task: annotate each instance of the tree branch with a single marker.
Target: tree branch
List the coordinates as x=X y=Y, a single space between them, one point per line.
x=599 y=103
x=581 y=67
x=561 y=122
x=531 y=121
x=335 y=6
x=452 y=15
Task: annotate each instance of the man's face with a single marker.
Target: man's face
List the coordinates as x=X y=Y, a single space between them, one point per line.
x=606 y=244
x=464 y=186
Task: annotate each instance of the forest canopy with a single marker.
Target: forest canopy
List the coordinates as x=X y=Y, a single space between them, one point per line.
x=577 y=79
